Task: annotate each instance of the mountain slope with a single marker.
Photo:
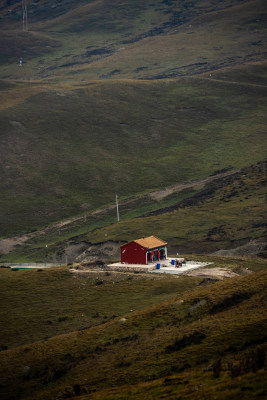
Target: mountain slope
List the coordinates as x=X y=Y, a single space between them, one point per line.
x=169 y=348
x=56 y=161
x=124 y=97
x=206 y=221
x=199 y=216
x=162 y=102
x=123 y=39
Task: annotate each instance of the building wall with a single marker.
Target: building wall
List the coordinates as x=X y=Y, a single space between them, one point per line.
x=133 y=253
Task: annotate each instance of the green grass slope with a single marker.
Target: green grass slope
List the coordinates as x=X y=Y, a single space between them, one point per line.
x=125 y=39
x=226 y=214
x=66 y=150
x=200 y=219
x=206 y=342
x=56 y=301
x=124 y=123
x=204 y=43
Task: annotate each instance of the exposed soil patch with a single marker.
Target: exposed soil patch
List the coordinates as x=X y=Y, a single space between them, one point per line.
x=218 y=273
x=100 y=251
x=197 y=184
x=8 y=245
x=87 y=253
x=252 y=248
x=70 y=252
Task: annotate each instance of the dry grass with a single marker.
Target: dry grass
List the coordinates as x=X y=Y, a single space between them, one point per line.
x=171 y=338
x=16 y=96
x=141 y=40
x=57 y=301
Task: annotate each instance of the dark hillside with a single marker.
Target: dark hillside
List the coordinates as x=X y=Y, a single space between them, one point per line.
x=38 y=10
x=88 y=14
x=14 y=45
x=208 y=341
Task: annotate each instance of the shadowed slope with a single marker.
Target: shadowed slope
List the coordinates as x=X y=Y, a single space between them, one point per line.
x=181 y=336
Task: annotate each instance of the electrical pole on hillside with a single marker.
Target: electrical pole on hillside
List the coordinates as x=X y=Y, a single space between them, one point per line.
x=117 y=204
x=24 y=15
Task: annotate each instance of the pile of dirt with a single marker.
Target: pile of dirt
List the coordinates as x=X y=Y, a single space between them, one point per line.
x=104 y=251
x=85 y=252
x=9 y=244
x=70 y=252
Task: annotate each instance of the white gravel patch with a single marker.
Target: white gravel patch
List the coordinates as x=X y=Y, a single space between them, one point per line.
x=166 y=267
x=187 y=267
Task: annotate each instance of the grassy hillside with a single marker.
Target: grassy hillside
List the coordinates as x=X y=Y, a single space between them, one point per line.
x=57 y=301
x=205 y=342
x=206 y=221
x=162 y=102
x=84 y=40
x=199 y=218
x=126 y=97
x=66 y=150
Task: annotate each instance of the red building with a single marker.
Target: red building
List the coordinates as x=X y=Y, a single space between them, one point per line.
x=142 y=251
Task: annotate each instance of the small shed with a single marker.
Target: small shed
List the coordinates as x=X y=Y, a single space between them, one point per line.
x=143 y=251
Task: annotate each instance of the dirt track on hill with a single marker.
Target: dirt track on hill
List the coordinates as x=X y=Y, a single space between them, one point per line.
x=197 y=184
x=7 y=245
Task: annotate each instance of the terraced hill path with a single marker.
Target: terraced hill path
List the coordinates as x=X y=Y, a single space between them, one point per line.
x=8 y=244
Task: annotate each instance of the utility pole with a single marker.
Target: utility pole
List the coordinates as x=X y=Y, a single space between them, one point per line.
x=117 y=204
x=24 y=15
